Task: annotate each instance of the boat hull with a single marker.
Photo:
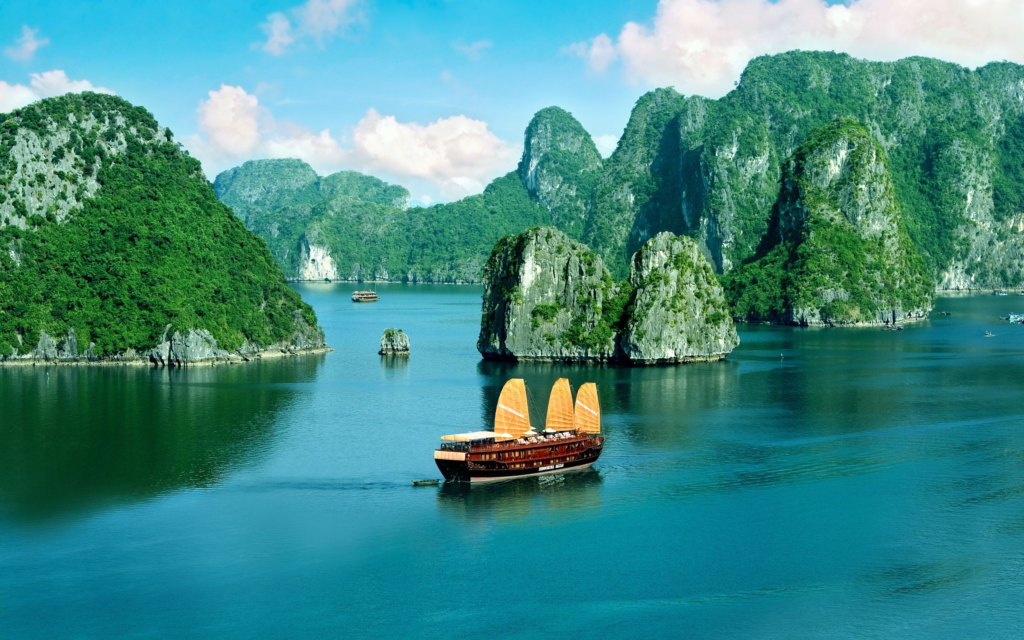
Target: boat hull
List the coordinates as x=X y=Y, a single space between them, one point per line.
x=466 y=471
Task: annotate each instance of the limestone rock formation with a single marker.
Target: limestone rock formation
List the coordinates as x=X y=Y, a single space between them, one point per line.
x=394 y=342
x=549 y=298
x=559 y=167
x=679 y=311
x=837 y=251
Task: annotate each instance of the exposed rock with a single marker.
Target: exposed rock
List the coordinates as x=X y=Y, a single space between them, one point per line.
x=837 y=251
x=394 y=342
x=195 y=346
x=679 y=310
x=315 y=262
x=549 y=298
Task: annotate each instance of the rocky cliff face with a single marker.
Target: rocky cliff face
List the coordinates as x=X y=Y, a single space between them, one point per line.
x=315 y=261
x=837 y=251
x=640 y=188
x=679 y=312
x=111 y=237
x=549 y=298
x=560 y=167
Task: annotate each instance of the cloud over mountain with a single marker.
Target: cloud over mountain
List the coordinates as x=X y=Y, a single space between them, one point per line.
x=454 y=157
x=43 y=85
x=702 y=46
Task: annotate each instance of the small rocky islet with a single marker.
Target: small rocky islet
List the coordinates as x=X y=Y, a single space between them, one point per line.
x=549 y=298
x=394 y=342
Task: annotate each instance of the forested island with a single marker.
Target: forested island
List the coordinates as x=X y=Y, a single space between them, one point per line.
x=114 y=248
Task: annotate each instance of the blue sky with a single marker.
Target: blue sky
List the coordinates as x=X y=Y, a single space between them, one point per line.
x=479 y=68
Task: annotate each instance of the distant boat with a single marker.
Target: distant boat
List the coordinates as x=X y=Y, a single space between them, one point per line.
x=365 y=296
x=989 y=334
x=1000 y=292
x=570 y=440
x=425 y=483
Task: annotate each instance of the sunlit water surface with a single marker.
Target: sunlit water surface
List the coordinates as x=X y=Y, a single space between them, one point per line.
x=819 y=483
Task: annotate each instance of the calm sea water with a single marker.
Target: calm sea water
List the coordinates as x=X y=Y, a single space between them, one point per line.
x=819 y=483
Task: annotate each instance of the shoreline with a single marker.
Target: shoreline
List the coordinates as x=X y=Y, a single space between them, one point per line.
x=299 y=281
x=232 y=359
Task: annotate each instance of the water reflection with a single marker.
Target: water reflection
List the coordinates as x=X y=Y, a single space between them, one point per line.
x=648 y=405
x=76 y=439
x=519 y=499
x=394 y=367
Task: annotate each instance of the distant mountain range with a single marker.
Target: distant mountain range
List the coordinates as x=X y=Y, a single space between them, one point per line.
x=710 y=169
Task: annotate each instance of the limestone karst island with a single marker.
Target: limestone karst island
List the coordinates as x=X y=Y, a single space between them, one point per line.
x=347 y=318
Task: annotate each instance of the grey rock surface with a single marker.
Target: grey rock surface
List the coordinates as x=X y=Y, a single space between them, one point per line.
x=544 y=295
x=177 y=349
x=394 y=342
x=679 y=310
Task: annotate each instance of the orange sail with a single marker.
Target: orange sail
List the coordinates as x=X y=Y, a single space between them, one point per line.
x=588 y=409
x=560 y=416
x=512 y=416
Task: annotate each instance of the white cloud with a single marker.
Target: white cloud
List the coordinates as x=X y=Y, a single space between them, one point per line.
x=451 y=157
x=606 y=144
x=702 y=46
x=314 y=19
x=26 y=44
x=229 y=118
x=279 y=33
x=56 y=83
x=43 y=85
x=473 y=51
x=599 y=52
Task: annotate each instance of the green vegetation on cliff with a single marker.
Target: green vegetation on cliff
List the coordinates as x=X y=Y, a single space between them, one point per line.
x=107 y=227
x=837 y=250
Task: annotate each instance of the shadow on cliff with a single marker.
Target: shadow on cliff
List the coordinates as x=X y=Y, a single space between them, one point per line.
x=76 y=440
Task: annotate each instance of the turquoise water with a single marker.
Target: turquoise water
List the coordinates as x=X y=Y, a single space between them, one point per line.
x=819 y=483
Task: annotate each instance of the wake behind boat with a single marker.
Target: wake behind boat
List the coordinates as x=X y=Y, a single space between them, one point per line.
x=570 y=439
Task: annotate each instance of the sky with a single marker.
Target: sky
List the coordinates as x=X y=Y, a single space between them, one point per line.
x=435 y=94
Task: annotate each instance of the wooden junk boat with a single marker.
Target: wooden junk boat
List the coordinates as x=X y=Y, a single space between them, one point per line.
x=570 y=441
x=364 y=296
